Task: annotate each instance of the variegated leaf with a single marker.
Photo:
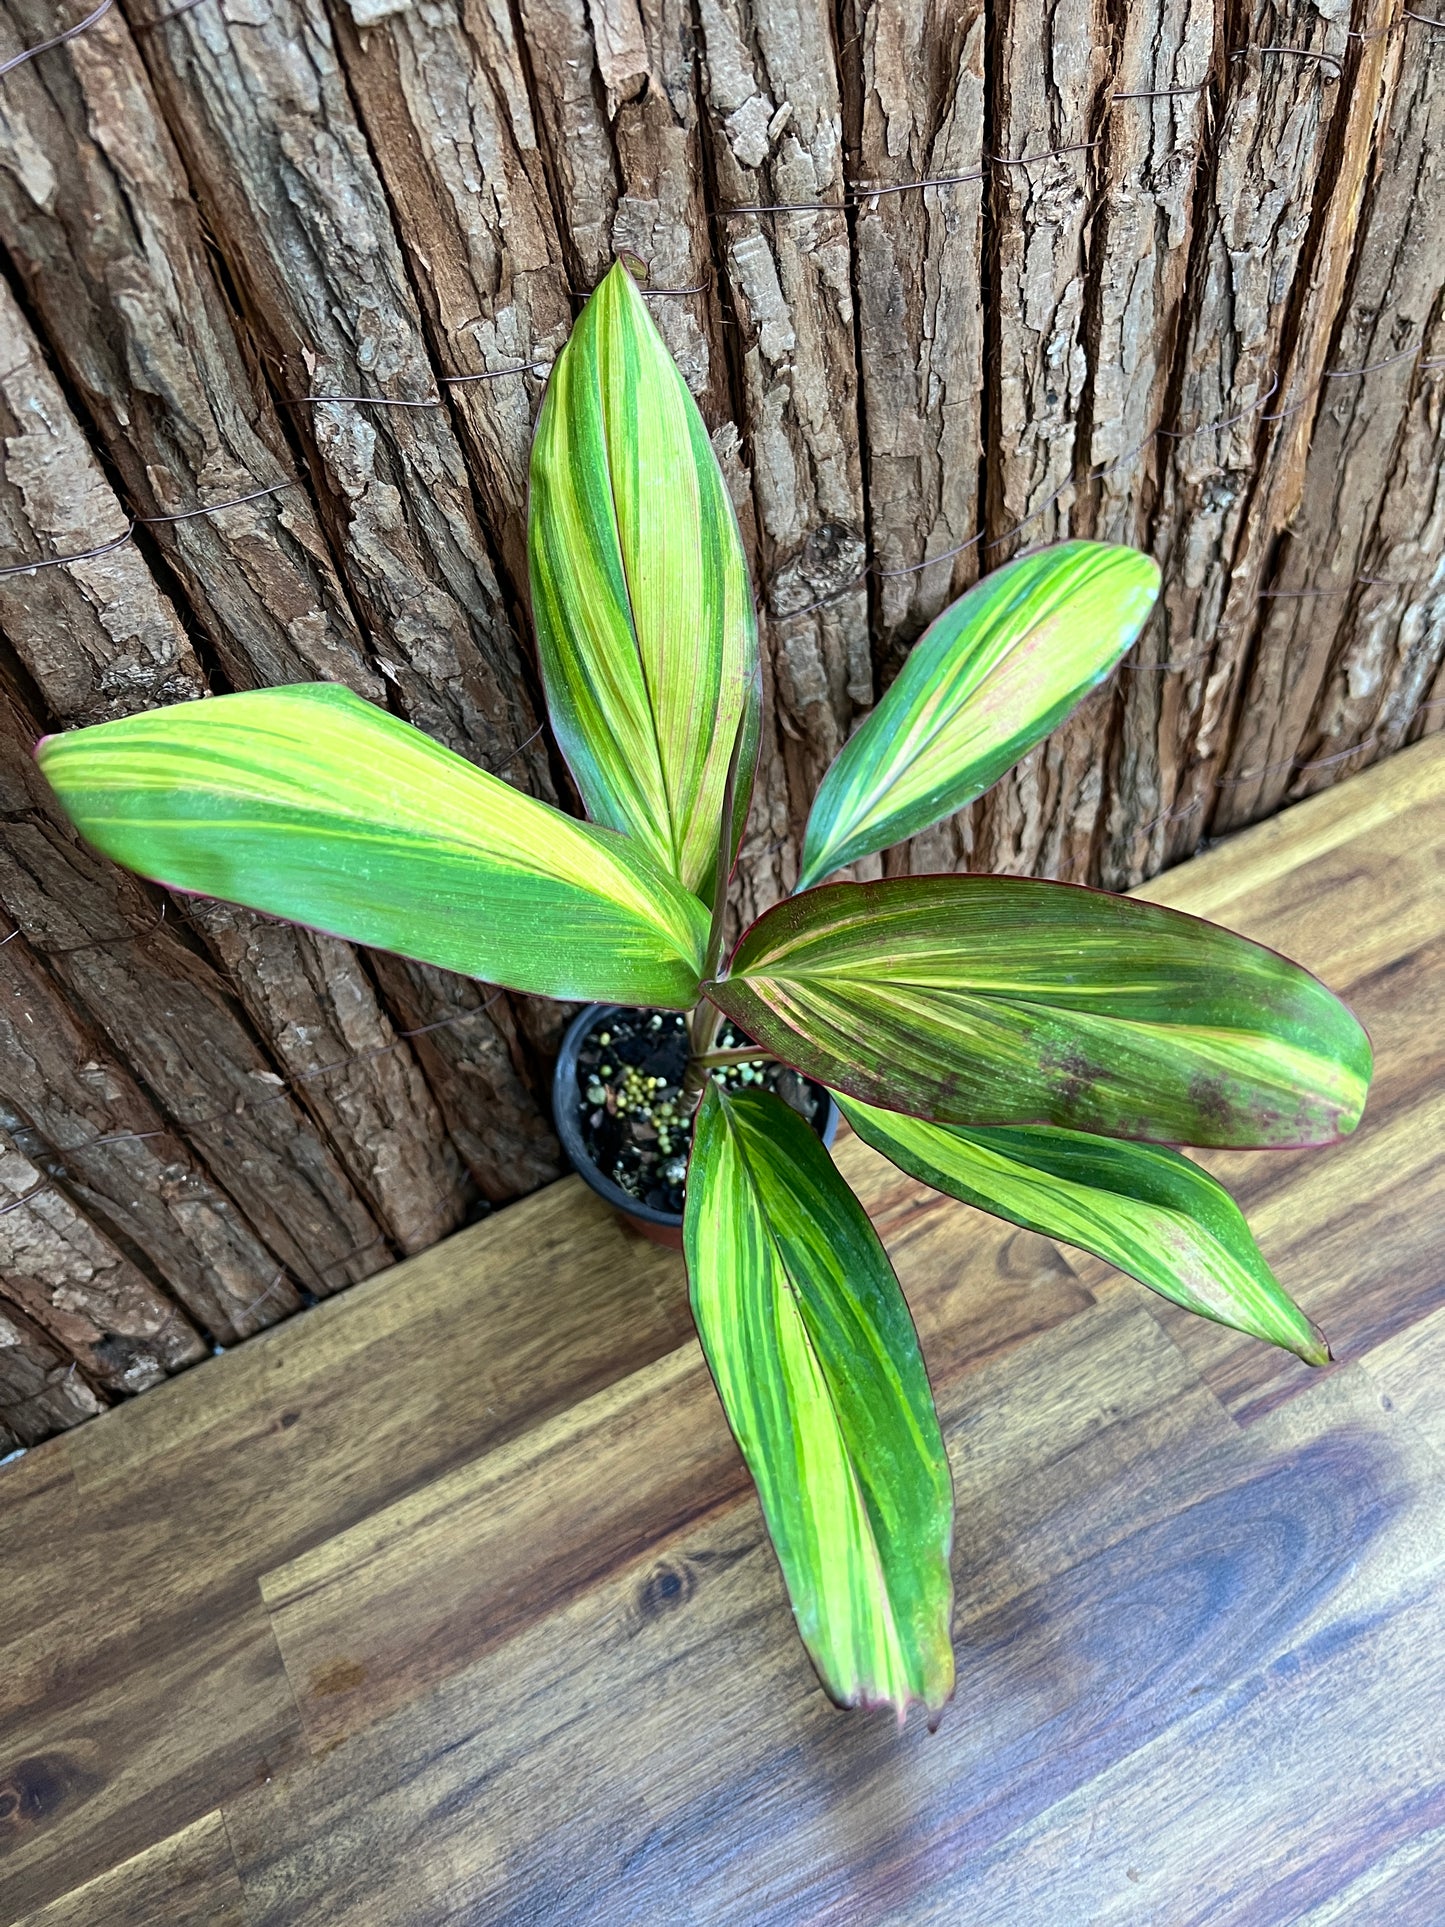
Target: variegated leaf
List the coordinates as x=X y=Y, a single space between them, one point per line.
x=1001 y=1000
x=1000 y=668
x=817 y=1365
x=1138 y=1206
x=309 y=803
x=640 y=591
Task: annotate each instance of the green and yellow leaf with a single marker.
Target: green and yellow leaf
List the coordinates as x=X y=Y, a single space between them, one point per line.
x=640 y=590
x=999 y=669
x=817 y=1364
x=1001 y=1000
x=1138 y=1206
x=308 y=803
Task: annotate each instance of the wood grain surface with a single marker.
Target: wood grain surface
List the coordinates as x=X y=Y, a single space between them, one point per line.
x=448 y=1600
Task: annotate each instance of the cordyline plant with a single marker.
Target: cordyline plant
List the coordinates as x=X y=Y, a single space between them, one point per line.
x=1032 y=1048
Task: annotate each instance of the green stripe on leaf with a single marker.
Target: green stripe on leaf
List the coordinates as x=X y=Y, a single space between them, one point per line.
x=817 y=1364
x=640 y=591
x=308 y=803
x=1000 y=1000
x=1138 y=1206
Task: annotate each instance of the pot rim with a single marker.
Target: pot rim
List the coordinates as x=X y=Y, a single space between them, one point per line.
x=565 y=1108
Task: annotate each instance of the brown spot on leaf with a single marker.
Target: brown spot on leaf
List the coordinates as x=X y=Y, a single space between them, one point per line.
x=1077 y=1072
x=1209 y=1094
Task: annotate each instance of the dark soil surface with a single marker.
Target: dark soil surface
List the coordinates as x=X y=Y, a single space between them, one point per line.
x=635 y=1125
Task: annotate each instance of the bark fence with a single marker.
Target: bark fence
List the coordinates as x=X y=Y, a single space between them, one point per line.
x=282 y=285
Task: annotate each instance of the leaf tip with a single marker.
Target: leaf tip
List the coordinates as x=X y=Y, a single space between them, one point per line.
x=1316 y=1350
x=928 y=1684
x=621 y=284
x=931 y=1699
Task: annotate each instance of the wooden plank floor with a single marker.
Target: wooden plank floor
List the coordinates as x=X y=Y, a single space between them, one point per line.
x=448 y=1601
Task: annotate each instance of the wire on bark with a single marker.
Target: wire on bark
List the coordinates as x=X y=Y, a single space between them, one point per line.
x=1290 y=53
x=1168 y=434
x=1294 y=763
x=173 y=13
x=100 y=943
x=375 y=401
x=214 y=508
x=858 y=192
x=82 y=555
x=1346 y=374
x=271 y=1289
x=56 y=40
x=1161 y=93
x=1049 y=154
x=139 y=521
x=15 y=1203
x=494 y=374
x=1165 y=668
x=449 y=381
x=864 y=192
x=1175 y=815
x=1310 y=595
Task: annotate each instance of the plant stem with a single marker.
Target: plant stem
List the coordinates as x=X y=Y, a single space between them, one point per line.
x=703 y=1024
x=717 y=1060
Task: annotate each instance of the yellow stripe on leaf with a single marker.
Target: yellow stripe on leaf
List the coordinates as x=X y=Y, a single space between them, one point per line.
x=817 y=1364
x=640 y=590
x=1005 y=1001
x=307 y=802
x=1138 y=1206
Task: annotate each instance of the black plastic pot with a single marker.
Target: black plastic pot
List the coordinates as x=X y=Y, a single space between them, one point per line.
x=662 y=1227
